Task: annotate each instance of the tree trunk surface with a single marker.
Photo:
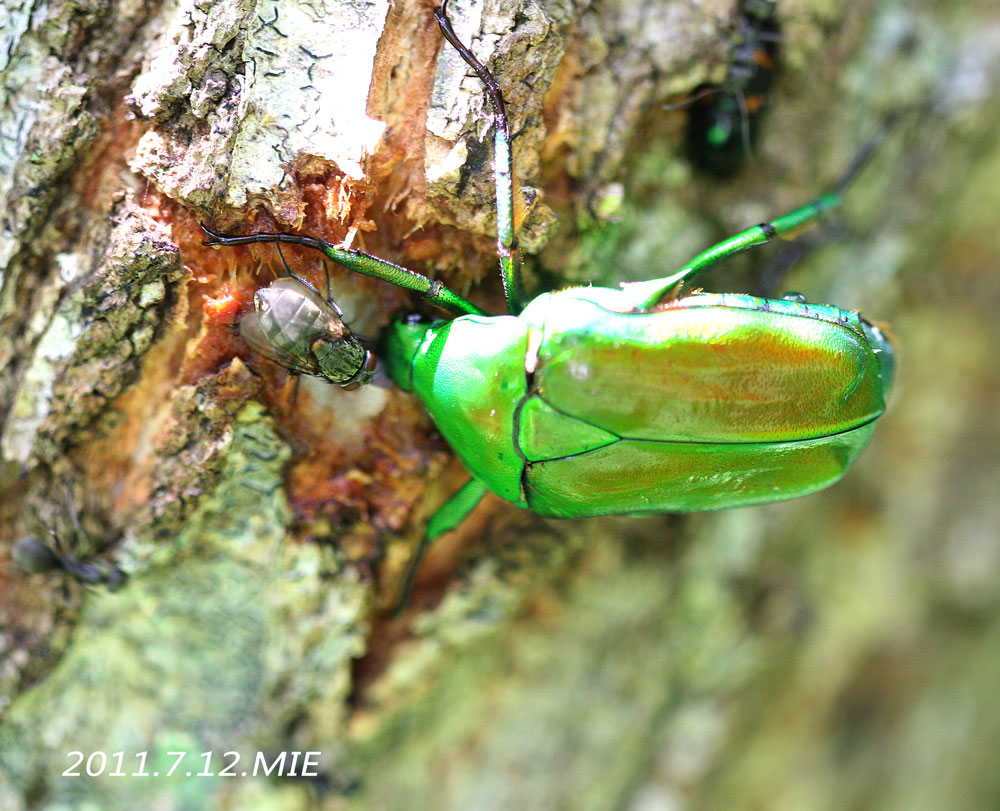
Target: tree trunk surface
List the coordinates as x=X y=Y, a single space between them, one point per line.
x=836 y=651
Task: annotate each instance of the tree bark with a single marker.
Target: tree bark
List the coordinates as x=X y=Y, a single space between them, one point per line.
x=838 y=650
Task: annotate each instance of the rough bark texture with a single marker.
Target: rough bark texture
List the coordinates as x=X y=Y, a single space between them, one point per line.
x=836 y=651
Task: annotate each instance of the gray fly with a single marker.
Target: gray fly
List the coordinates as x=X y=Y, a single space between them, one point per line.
x=293 y=325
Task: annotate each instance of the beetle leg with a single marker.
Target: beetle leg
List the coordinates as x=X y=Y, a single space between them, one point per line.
x=448 y=516
x=741 y=101
x=790 y=254
x=645 y=295
x=503 y=172
x=84 y=572
x=363 y=263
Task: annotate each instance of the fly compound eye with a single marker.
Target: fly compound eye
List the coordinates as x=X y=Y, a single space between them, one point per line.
x=365 y=373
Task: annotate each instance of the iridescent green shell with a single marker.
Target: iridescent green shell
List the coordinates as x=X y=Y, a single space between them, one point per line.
x=580 y=406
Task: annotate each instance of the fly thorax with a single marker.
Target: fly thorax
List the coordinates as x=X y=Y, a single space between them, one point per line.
x=340 y=361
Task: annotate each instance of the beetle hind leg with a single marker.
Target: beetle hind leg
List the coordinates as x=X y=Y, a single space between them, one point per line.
x=645 y=295
x=448 y=517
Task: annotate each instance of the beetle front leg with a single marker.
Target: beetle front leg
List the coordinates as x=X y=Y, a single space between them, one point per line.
x=448 y=517
x=360 y=262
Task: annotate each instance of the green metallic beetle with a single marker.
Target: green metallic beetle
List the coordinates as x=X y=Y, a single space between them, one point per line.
x=594 y=401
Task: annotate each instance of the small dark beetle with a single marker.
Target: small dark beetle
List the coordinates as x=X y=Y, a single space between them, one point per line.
x=725 y=119
x=36 y=557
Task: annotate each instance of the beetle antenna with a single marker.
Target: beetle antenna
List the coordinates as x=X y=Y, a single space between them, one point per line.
x=703 y=93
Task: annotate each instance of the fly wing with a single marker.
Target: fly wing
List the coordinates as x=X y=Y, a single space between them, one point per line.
x=293 y=356
x=292 y=315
